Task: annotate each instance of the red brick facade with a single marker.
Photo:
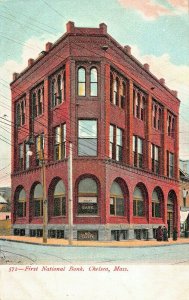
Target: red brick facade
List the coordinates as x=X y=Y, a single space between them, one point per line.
x=125 y=96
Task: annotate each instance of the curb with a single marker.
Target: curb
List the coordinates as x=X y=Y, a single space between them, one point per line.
x=94 y=246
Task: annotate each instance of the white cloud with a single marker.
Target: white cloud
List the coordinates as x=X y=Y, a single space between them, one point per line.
x=31 y=49
x=176 y=78
x=151 y=9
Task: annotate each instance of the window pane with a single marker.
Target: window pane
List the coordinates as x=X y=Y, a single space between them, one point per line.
x=112 y=206
x=139 y=146
x=57 y=135
x=116 y=189
x=140 y=208
x=88 y=185
x=57 y=206
x=111 y=133
x=119 y=207
x=134 y=143
x=37 y=210
x=119 y=137
x=93 y=75
x=87 y=147
x=81 y=75
x=156 y=153
x=93 y=89
x=81 y=89
x=87 y=129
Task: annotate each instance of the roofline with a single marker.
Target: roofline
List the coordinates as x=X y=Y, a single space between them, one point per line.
x=102 y=33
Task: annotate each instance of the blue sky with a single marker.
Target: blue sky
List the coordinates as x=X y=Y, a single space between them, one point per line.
x=158 y=32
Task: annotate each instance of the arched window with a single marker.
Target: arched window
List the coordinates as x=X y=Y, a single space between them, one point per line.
x=156 y=204
x=93 y=82
x=39 y=102
x=38 y=200
x=60 y=88
x=115 y=92
x=21 y=204
x=23 y=112
x=59 y=198
x=142 y=106
x=34 y=106
x=116 y=200
x=123 y=94
x=87 y=197
x=18 y=115
x=138 y=202
x=81 y=82
x=138 y=106
x=111 y=87
x=53 y=94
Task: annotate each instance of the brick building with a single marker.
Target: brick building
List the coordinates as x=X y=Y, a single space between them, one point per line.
x=123 y=124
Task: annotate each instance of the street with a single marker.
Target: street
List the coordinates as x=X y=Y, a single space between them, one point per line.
x=20 y=253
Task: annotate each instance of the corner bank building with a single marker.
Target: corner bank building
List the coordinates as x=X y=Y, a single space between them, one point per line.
x=123 y=124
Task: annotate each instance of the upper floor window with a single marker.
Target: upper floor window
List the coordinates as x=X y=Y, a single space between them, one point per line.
x=115 y=94
x=87 y=137
x=81 y=82
x=20 y=112
x=123 y=94
x=40 y=107
x=170 y=164
x=138 y=151
x=139 y=102
x=155 y=156
x=93 y=82
x=117 y=90
x=37 y=101
x=170 y=124
x=39 y=148
x=116 y=143
x=156 y=115
x=60 y=142
x=58 y=87
x=21 y=156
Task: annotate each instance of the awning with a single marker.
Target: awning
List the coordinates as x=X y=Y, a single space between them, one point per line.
x=183 y=216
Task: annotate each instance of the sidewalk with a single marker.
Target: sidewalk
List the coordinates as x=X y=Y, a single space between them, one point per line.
x=63 y=242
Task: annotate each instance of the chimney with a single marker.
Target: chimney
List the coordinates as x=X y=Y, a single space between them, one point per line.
x=127 y=49
x=48 y=46
x=162 y=81
x=30 y=62
x=175 y=93
x=103 y=28
x=15 y=76
x=147 y=67
x=70 y=27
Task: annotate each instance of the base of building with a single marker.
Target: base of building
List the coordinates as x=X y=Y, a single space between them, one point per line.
x=90 y=232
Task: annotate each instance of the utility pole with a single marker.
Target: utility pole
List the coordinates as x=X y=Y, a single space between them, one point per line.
x=45 y=204
x=70 y=195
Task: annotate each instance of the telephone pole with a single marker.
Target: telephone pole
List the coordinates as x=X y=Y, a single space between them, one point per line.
x=70 y=195
x=45 y=204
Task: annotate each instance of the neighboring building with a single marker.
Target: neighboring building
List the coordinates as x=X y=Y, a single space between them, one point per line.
x=3 y=203
x=123 y=124
x=184 y=165
x=5 y=192
x=184 y=199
